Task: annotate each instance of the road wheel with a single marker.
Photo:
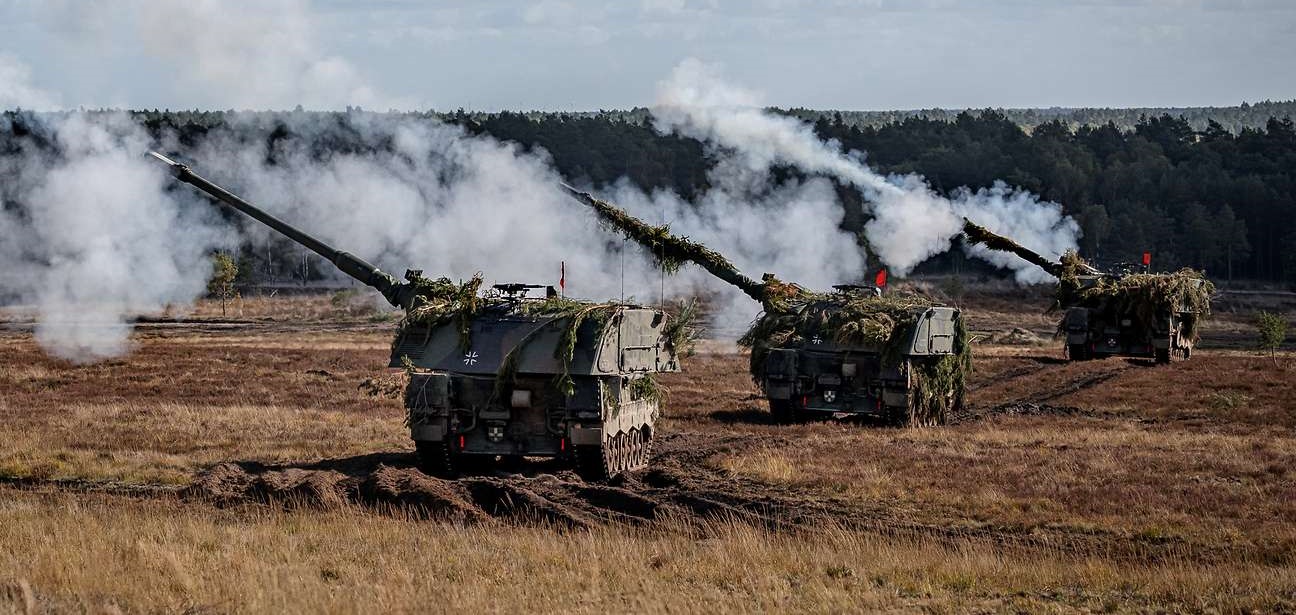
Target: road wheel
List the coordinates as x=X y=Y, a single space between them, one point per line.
x=1077 y=352
x=638 y=450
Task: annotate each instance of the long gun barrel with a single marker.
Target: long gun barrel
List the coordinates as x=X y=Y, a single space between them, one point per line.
x=978 y=234
x=671 y=249
x=395 y=292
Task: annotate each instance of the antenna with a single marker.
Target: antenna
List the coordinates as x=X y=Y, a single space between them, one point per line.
x=623 y=249
x=662 y=260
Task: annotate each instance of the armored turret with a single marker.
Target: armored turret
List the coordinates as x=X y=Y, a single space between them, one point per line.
x=1128 y=312
x=898 y=357
x=502 y=374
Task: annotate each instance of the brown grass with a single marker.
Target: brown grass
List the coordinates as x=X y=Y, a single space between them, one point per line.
x=164 y=556
x=187 y=399
x=1200 y=451
x=1176 y=482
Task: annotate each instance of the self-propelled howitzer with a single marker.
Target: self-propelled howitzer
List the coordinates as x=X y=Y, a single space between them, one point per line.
x=1128 y=312
x=503 y=374
x=895 y=356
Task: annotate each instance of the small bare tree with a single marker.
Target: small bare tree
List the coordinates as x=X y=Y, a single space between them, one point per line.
x=1273 y=332
x=224 y=271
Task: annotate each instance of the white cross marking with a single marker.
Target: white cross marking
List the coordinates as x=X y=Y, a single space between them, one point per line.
x=471 y=358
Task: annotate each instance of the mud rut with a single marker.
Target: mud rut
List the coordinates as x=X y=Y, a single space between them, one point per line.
x=1036 y=402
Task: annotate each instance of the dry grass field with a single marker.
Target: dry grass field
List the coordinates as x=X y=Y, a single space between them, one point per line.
x=1107 y=486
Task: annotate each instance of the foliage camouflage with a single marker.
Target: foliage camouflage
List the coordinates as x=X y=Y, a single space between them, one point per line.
x=647 y=387
x=791 y=315
x=1141 y=295
x=1144 y=295
x=681 y=331
x=440 y=301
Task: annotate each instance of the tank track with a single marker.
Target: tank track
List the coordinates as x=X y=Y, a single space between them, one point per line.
x=621 y=453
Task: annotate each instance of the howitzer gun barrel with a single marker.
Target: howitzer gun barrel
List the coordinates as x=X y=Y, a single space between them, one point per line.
x=669 y=247
x=350 y=264
x=976 y=233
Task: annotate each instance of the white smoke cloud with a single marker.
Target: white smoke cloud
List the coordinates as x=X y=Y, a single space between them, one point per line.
x=429 y=196
x=910 y=224
x=96 y=240
x=17 y=89
x=437 y=199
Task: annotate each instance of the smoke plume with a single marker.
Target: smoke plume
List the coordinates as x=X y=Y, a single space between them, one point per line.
x=90 y=239
x=432 y=198
x=910 y=224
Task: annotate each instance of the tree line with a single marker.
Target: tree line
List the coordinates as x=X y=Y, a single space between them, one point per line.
x=1206 y=196
x=1212 y=199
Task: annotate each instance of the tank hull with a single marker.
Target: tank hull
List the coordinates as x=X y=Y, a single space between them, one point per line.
x=460 y=418
x=821 y=379
x=1097 y=334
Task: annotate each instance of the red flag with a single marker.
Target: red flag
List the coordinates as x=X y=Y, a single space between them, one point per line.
x=1147 y=259
x=562 y=276
x=880 y=280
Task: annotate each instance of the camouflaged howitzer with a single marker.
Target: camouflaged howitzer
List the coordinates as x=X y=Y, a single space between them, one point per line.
x=895 y=356
x=503 y=374
x=1128 y=311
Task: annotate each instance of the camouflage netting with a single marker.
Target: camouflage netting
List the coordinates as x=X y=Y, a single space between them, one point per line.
x=848 y=319
x=861 y=320
x=792 y=314
x=441 y=301
x=1143 y=295
x=942 y=383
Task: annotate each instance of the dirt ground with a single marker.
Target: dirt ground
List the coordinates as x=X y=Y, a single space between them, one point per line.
x=1099 y=486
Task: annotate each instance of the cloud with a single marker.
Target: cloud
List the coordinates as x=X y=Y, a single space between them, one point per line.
x=261 y=55
x=17 y=89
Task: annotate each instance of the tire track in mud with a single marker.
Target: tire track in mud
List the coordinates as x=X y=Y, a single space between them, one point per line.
x=82 y=485
x=1011 y=375
x=1077 y=384
x=1037 y=402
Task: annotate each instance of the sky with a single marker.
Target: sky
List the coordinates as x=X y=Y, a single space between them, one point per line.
x=583 y=55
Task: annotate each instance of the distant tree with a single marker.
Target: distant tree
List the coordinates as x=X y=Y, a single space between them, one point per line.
x=224 y=271
x=1273 y=332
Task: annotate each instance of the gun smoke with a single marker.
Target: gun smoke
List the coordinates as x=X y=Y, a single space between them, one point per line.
x=910 y=223
x=91 y=240
x=93 y=234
